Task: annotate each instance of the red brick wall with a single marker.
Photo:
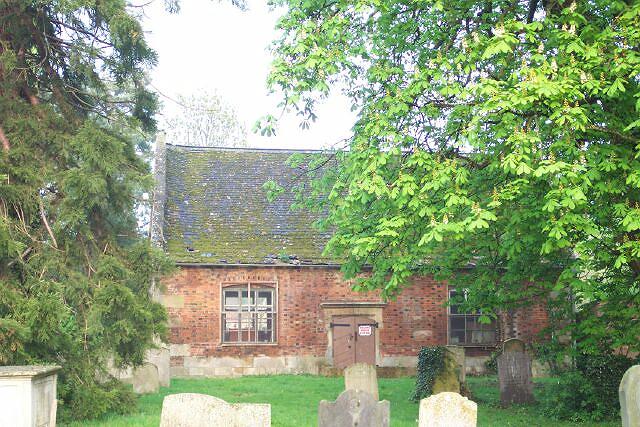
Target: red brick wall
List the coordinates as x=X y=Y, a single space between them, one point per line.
x=529 y=322
x=417 y=318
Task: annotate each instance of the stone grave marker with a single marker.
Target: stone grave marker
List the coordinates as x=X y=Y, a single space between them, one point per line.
x=514 y=373
x=161 y=358
x=28 y=396
x=457 y=353
x=513 y=345
x=447 y=409
x=354 y=408
x=362 y=376
x=201 y=410
x=145 y=379
x=452 y=375
x=629 y=393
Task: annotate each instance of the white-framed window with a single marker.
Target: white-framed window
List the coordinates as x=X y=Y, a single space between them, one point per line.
x=249 y=313
x=465 y=328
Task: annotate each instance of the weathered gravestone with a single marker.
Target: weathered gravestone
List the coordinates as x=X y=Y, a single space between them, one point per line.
x=362 y=376
x=353 y=408
x=201 y=410
x=629 y=393
x=452 y=375
x=162 y=359
x=457 y=353
x=513 y=345
x=514 y=373
x=28 y=396
x=447 y=410
x=145 y=379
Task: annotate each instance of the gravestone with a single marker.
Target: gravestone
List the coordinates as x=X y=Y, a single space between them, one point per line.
x=353 y=408
x=28 y=396
x=452 y=375
x=512 y=345
x=201 y=410
x=162 y=359
x=362 y=376
x=629 y=393
x=457 y=352
x=447 y=410
x=145 y=379
x=514 y=373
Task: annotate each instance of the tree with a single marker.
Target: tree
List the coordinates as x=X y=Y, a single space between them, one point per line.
x=75 y=277
x=205 y=120
x=502 y=134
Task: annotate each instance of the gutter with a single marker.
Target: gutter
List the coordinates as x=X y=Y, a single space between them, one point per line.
x=206 y=265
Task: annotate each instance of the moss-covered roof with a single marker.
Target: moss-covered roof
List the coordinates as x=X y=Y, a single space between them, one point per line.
x=217 y=211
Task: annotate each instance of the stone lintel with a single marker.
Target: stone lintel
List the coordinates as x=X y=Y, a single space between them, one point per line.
x=352 y=304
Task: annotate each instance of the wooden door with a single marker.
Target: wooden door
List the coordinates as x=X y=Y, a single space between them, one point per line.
x=354 y=341
x=365 y=334
x=344 y=349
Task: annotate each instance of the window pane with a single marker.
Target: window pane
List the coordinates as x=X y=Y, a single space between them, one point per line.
x=230 y=323
x=265 y=299
x=246 y=302
x=457 y=322
x=246 y=321
x=453 y=307
x=456 y=337
x=231 y=298
x=472 y=323
x=232 y=320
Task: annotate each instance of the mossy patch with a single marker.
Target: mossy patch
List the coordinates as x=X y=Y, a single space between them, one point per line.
x=218 y=212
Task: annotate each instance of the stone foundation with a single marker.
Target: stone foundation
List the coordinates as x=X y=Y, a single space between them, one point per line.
x=198 y=366
x=185 y=366
x=475 y=365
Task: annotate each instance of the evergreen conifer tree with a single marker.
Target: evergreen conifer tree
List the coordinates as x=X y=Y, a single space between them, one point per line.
x=75 y=274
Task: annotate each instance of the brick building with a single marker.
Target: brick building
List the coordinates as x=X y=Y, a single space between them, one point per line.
x=254 y=294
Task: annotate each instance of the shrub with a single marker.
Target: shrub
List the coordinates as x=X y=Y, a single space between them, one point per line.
x=491 y=364
x=92 y=400
x=430 y=364
x=590 y=392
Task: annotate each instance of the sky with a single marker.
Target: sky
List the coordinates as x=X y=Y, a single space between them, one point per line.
x=213 y=46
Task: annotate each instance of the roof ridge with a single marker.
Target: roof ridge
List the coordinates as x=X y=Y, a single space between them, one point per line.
x=247 y=149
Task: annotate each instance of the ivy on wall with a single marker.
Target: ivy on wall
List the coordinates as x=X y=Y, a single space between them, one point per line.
x=430 y=364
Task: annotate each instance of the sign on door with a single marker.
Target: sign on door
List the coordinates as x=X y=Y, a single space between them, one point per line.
x=365 y=330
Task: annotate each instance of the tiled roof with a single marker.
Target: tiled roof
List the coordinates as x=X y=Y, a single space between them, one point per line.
x=217 y=211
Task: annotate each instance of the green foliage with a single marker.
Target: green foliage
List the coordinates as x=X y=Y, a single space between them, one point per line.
x=86 y=400
x=430 y=364
x=500 y=134
x=75 y=274
x=590 y=392
x=491 y=364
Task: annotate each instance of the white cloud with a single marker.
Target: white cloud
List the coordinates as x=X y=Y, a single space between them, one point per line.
x=216 y=47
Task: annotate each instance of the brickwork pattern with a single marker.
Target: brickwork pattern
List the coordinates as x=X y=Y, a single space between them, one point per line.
x=418 y=317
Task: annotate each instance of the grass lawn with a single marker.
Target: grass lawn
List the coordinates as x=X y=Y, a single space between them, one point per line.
x=294 y=401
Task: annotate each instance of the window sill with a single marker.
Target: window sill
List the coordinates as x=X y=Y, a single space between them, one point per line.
x=492 y=345
x=248 y=344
